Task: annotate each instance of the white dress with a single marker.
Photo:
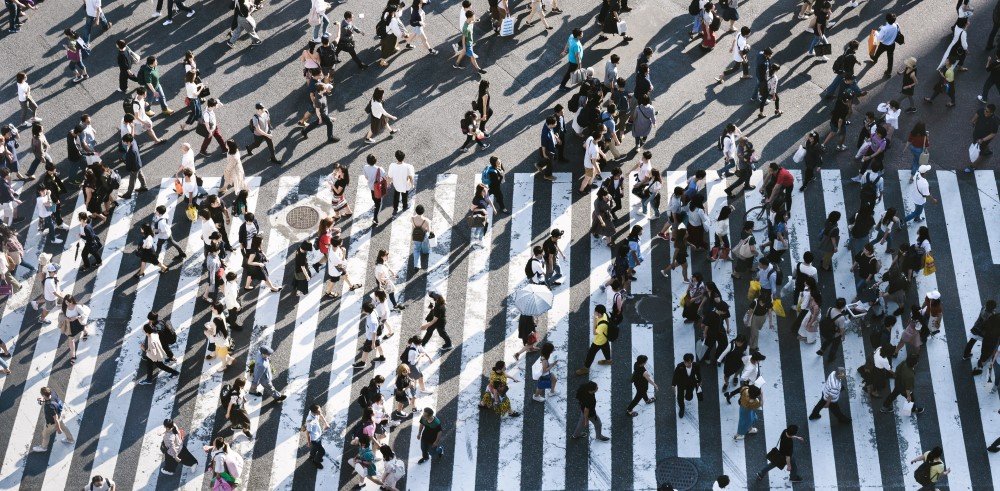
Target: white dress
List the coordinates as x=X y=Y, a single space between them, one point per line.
x=233 y=174
x=804 y=304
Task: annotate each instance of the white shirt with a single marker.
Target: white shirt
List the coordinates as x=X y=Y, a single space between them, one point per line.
x=537 y=270
x=149 y=242
x=920 y=190
x=738 y=46
x=958 y=36
x=879 y=360
x=371 y=327
x=92 y=7
x=209 y=118
x=51 y=285
x=371 y=171
x=730 y=150
x=313 y=427
x=461 y=17
x=831 y=388
x=887 y=34
x=162 y=227
x=400 y=173
x=191 y=90
x=377 y=110
x=22 y=91
x=263 y=121
x=333 y=259
x=891 y=115
x=319 y=6
x=396 y=26
x=187 y=160
x=384 y=277
x=230 y=292
x=42 y=206
x=808 y=270
x=207 y=227
x=925 y=245
x=645 y=169
x=591 y=153
x=697 y=218
x=189 y=188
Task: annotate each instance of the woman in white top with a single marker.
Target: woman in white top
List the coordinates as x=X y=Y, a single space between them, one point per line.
x=394 y=28
x=309 y=59
x=809 y=326
x=379 y=116
x=698 y=222
x=892 y=111
x=147 y=251
x=386 y=279
x=336 y=266
x=73 y=323
x=189 y=186
x=721 y=231
x=954 y=51
x=651 y=193
x=381 y=302
x=319 y=20
x=233 y=176
x=393 y=469
x=192 y=91
x=44 y=208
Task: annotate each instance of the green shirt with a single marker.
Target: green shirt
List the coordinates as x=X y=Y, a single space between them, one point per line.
x=467 y=33
x=904 y=376
x=153 y=76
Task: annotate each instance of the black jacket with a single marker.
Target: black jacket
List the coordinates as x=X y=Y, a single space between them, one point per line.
x=133 y=161
x=684 y=381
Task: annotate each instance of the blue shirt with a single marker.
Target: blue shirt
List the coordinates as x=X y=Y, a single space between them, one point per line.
x=768 y=278
x=575 y=50
x=548 y=139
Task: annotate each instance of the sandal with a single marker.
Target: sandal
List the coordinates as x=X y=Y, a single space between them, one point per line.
x=355 y=287
x=72 y=360
x=85 y=336
x=332 y=295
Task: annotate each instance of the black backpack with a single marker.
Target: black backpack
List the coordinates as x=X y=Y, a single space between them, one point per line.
x=613 y=331
x=226 y=394
x=922 y=474
x=528 y=270
x=167 y=333
x=327 y=55
x=694 y=7
x=828 y=325
x=405 y=357
x=838 y=64
x=869 y=191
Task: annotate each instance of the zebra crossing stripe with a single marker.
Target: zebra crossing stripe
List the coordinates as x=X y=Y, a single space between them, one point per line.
x=101 y=298
x=599 y=475
x=989 y=201
x=439 y=268
x=734 y=462
x=129 y=359
x=644 y=425
x=813 y=372
x=511 y=430
x=554 y=433
x=265 y=317
x=862 y=413
x=688 y=427
x=969 y=299
x=46 y=345
x=939 y=360
x=643 y=284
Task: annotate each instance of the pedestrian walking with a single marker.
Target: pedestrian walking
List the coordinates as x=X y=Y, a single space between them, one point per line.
x=260 y=122
x=782 y=455
x=600 y=340
x=436 y=321
x=546 y=379
x=903 y=386
x=154 y=354
x=379 y=117
x=52 y=411
x=686 y=382
x=314 y=427
x=641 y=380
x=751 y=400
x=585 y=396
x=263 y=376
x=985 y=125
x=931 y=468
x=256 y=266
x=887 y=37
x=174 y=449
x=468 y=41
x=831 y=395
x=574 y=55
x=429 y=434
x=243 y=10
x=208 y=127
x=400 y=176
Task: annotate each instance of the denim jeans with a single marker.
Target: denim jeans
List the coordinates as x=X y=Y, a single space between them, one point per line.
x=816 y=40
x=556 y=273
x=162 y=97
x=916 y=159
x=50 y=224
x=654 y=201
x=89 y=25
x=696 y=27
x=917 y=210
x=318 y=29
x=420 y=248
x=834 y=87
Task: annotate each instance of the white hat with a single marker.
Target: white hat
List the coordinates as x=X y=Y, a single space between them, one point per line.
x=934 y=295
x=52 y=268
x=924 y=168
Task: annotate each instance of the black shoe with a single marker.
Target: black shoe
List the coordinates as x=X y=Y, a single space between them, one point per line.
x=422 y=460
x=255 y=393
x=680 y=414
x=280 y=398
x=445 y=348
x=993 y=449
x=977 y=371
x=142 y=189
x=814 y=417
x=795 y=479
x=332 y=140
x=318 y=465
x=918 y=410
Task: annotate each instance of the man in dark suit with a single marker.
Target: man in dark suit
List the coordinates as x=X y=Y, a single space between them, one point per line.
x=687 y=379
x=91 y=242
x=133 y=165
x=560 y=132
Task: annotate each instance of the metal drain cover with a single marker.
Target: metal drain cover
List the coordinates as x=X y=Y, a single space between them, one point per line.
x=679 y=473
x=302 y=218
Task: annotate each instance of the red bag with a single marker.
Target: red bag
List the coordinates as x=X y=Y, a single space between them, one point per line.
x=381 y=186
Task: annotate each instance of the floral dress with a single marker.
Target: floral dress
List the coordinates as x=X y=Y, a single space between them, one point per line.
x=491 y=399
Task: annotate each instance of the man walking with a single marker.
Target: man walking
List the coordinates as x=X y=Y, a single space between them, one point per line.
x=467 y=43
x=209 y=128
x=95 y=16
x=831 y=396
x=782 y=455
x=91 y=242
x=149 y=75
x=345 y=39
x=262 y=375
x=905 y=380
x=552 y=253
x=126 y=60
x=887 y=36
x=985 y=124
x=400 y=175
x=921 y=192
x=261 y=123
x=574 y=55
x=133 y=165
x=315 y=425
x=600 y=342
x=162 y=232
x=52 y=407
x=585 y=395
x=429 y=435
x=244 y=22
x=686 y=381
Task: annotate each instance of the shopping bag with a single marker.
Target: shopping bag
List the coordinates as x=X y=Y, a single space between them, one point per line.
x=872 y=43
x=754 y=291
x=578 y=76
x=973 y=152
x=507 y=26
x=622 y=27
x=191 y=212
x=906 y=409
x=929 y=266
x=824 y=49
x=684 y=300
x=778 y=308
x=800 y=155
x=925 y=157
x=178 y=187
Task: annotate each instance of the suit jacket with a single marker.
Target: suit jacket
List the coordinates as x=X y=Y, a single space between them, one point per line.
x=683 y=380
x=133 y=161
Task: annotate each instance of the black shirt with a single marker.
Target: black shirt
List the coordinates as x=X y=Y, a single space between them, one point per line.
x=639 y=378
x=586 y=399
x=438 y=312
x=785 y=444
x=840 y=112
x=985 y=126
x=218 y=215
x=549 y=249
x=301 y=261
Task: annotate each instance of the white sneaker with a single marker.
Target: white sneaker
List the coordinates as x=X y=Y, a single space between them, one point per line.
x=752 y=431
x=64 y=440
x=57 y=241
x=738 y=437
x=167 y=22
x=38 y=449
x=155 y=14
x=190 y=14
x=164 y=471
x=63 y=227
x=538 y=398
x=34 y=305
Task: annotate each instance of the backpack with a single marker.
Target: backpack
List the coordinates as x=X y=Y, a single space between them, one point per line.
x=838 y=64
x=114 y=179
x=56 y=404
x=528 y=270
x=716 y=23
x=128 y=105
x=327 y=55
x=613 y=331
x=573 y=105
x=405 y=357
x=827 y=325
x=869 y=191
x=922 y=474
x=487 y=176
x=226 y=394
x=694 y=7
x=167 y=333
x=381 y=186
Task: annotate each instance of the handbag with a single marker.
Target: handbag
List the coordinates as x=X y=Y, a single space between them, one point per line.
x=775 y=457
x=974 y=152
x=201 y=130
x=906 y=409
x=476 y=221
x=800 y=155
x=6 y=289
x=622 y=27
x=191 y=212
x=743 y=249
x=872 y=43
x=929 y=266
x=778 y=307
x=754 y=291
x=507 y=26
x=432 y=240
x=824 y=49
x=178 y=187
x=684 y=300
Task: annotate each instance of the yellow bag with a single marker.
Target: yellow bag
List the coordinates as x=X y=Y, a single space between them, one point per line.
x=872 y=43
x=192 y=212
x=684 y=300
x=778 y=308
x=754 y=290
x=929 y=266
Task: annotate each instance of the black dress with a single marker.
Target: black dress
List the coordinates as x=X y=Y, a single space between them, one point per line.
x=258 y=273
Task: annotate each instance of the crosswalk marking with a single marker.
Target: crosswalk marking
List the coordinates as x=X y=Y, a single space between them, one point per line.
x=559 y=405
x=688 y=427
x=734 y=459
x=129 y=362
x=46 y=346
x=599 y=476
x=445 y=217
x=989 y=201
x=345 y=348
x=521 y=242
x=643 y=284
x=644 y=425
x=939 y=360
x=863 y=424
x=968 y=285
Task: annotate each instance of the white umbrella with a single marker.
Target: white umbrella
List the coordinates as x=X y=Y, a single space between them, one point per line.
x=533 y=299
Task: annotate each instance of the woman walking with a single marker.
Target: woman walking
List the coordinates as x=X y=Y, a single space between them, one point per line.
x=256 y=266
x=174 y=449
x=909 y=72
x=945 y=83
x=751 y=399
x=405 y=393
x=808 y=306
x=697 y=222
x=482 y=105
x=420 y=236
x=481 y=211
x=379 y=117
x=931 y=468
x=147 y=251
x=234 y=177
x=732 y=361
x=417 y=25
x=680 y=257
x=643 y=120
x=339 y=182
x=918 y=144
x=218 y=335
x=546 y=380
x=693 y=298
x=495 y=397
x=747 y=246
x=385 y=279
x=73 y=323
x=641 y=380
x=236 y=409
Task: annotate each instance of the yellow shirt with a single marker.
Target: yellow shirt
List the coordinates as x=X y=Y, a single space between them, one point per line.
x=601 y=330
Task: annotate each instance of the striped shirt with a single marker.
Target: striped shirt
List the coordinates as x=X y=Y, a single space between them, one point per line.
x=831 y=389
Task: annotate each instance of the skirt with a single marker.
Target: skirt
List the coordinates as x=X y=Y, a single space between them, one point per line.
x=75 y=327
x=388 y=45
x=544 y=382
x=696 y=236
x=377 y=125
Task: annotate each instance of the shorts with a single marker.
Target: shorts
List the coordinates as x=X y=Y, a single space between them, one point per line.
x=333 y=279
x=469 y=52
x=51 y=305
x=839 y=131
x=414 y=372
x=370 y=345
x=589 y=171
x=544 y=382
x=417 y=30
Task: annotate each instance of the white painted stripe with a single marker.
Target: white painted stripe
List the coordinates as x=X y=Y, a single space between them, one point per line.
x=945 y=398
x=644 y=425
x=418 y=476
x=688 y=427
x=345 y=349
x=734 y=463
x=470 y=377
x=182 y=316
x=46 y=345
x=554 y=436
x=512 y=430
x=643 y=284
x=862 y=413
x=78 y=386
x=129 y=362
x=989 y=200
x=968 y=284
x=202 y=424
x=600 y=452
x=813 y=372
x=770 y=369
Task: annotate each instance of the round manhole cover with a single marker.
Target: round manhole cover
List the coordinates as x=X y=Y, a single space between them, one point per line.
x=302 y=218
x=679 y=473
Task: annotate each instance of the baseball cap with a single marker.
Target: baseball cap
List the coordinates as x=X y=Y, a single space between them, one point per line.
x=557 y=233
x=924 y=168
x=259 y=105
x=52 y=268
